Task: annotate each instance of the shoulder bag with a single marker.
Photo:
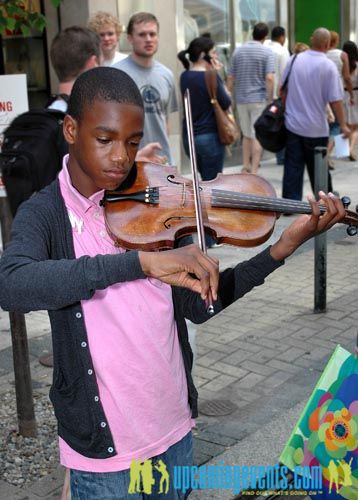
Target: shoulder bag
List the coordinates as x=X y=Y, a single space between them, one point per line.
x=227 y=129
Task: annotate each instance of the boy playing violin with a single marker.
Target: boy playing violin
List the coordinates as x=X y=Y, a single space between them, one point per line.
x=122 y=388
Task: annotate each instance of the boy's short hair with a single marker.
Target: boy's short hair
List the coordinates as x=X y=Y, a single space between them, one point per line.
x=141 y=17
x=100 y=18
x=104 y=84
x=70 y=50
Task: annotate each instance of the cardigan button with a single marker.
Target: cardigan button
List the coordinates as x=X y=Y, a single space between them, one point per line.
x=78 y=315
x=103 y=425
x=83 y=344
x=90 y=372
x=96 y=398
x=110 y=449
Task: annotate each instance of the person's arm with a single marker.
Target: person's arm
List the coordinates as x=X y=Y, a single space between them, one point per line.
x=347 y=76
x=30 y=279
x=338 y=110
x=230 y=83
x=222 y=95
x=269 y=79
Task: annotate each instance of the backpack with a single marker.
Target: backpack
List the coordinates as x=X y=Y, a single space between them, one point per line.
x=31 y=153
x=270 y=127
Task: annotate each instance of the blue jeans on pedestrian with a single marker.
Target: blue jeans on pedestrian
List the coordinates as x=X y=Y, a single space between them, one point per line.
x=210 y=153
x=115 y=485
x=300 y=152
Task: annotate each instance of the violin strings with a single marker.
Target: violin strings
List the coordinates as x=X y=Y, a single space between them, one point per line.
x=227 y=199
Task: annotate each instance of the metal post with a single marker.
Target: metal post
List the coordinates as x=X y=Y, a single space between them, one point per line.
x=23 y=386
x=320 y=243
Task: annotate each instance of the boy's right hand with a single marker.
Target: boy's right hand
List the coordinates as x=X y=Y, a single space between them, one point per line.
x=188 y=267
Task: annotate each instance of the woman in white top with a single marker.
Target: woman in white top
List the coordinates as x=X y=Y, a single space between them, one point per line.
x=109 y=30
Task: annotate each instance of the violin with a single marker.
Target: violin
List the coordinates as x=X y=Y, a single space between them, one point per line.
x=159 y=207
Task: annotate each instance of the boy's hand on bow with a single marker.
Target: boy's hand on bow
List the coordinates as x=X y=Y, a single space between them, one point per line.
x=187 y=267
x=307 y=226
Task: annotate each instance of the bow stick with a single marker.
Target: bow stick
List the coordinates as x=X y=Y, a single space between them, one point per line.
x=196 y=187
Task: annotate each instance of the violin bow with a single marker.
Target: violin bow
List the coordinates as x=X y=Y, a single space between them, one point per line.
x=196 y=187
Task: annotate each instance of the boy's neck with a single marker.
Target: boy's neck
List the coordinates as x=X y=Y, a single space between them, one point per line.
x=146 y=62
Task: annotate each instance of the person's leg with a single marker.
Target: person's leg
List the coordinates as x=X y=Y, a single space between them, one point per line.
x=244 y=123
x=246 y=154
x=255 y=111
x=280 y=157
x=102 y=485
x=292 y=183
x=168 y=471
x=353 y=140
x=309 y=148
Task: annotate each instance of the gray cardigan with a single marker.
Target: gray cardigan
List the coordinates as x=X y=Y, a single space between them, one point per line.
x=38 y=270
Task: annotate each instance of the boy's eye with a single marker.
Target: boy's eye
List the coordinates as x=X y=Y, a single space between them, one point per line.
x=134 y=144
x=103 y=140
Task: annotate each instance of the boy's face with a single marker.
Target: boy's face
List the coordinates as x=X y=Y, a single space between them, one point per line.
x=103 y=145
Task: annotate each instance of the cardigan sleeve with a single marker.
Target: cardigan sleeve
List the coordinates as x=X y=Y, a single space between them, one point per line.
x=31 y=279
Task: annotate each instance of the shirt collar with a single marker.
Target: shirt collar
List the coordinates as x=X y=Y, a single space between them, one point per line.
x=79 y=201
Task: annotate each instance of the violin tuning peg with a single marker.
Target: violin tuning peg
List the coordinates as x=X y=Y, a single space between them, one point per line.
x=346 y=201
x=352 y=230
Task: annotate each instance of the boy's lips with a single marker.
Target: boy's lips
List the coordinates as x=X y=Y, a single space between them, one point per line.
x=116 y=174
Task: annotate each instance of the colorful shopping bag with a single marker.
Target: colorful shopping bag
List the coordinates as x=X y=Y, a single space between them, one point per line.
x=326 y=434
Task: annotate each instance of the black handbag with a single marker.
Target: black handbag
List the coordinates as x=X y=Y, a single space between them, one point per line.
x=270 y=127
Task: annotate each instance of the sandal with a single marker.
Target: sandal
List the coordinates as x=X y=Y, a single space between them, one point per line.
x=353 y=157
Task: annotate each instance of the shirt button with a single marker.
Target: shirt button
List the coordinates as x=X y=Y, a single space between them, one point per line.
x=83 y=344
x=103 y=425
x=102 y=234
x=78 y=315
x=90 y=372
x=96 y=398
x=110 y=449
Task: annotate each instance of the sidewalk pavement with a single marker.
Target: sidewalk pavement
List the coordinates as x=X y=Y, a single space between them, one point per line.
x=259 y=360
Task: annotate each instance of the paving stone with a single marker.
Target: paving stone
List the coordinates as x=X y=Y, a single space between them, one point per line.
x=234 y=371
x=207 y=448
x=291 y=354
x=210 y=358
x=251 y=380
x=246 y=346
x=257 y=368
x=282 y=365
x=263 y=356
x=8 y=490
x=273 y=381
x=237 y=357
x=219 y=382
x=213 y=437
x=203 y=372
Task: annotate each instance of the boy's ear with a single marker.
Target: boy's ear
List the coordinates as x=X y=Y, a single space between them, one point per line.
x=70 y=127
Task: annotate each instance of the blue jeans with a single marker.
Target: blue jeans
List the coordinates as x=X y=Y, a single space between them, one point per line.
x=300 y=152
x=210 y=155
x=115 y=485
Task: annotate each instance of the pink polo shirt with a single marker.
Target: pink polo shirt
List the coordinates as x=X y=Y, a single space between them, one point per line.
x=133 y=340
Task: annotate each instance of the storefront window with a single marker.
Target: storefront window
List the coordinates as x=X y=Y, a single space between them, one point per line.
x=250 y=12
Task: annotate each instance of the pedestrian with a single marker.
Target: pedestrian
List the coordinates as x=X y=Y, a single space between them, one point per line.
x=300 y=47
x=209 y=150
x=154 y=80
x=199 y=57
x=340 y=59
x=122 y=387
x=351 y=102
x=109 y=30
x=282 y=55
x=251 y=77
x=314 y=82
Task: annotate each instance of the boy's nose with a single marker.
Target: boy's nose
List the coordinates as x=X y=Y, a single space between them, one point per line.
x=119 y=154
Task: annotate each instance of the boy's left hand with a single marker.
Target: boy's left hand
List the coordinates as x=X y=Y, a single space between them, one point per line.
x=307 y=226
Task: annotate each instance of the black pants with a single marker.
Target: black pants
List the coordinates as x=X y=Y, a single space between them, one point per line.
x=300 y=152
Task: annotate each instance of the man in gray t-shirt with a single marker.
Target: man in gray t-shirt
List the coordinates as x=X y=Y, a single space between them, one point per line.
x=155 y=81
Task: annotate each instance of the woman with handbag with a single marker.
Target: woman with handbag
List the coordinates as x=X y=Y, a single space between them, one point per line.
x=210 y=150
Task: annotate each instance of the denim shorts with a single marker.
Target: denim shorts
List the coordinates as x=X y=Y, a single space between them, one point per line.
x=152 y=482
